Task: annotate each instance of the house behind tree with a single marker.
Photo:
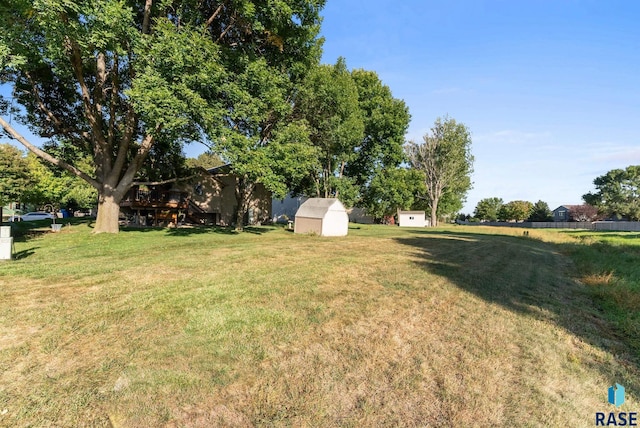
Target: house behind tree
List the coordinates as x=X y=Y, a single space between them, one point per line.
x=208 y=198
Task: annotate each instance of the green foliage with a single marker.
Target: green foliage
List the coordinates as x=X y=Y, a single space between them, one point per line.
x=328 y=102
x=540 y=212
x=128 y=86
x=453 y=198
x=618 y=193
x=205 y=160
x=179 y=82
x=515 y=211
x=386 y=120
x=358 y=129
x=15 y=178
x=487 y=209
x=57 y=187
x=392 y=189
x=446 y=160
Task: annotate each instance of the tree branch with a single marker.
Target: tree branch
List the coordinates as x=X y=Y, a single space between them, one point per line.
x=170 y=180
x=46 y=156
x=57 y=123
x=215 y=14
x=136 y=163
x=99 y=144
x=115 y=88
x=146 y=20
x=226 y=30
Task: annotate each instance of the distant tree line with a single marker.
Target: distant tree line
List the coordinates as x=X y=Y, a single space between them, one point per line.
x=617 y=197
x=494 y=209
x=30 y=180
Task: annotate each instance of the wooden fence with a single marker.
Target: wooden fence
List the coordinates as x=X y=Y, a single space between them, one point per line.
x=630 y=226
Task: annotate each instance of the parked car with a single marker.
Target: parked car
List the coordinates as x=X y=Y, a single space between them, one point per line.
x=38 y=215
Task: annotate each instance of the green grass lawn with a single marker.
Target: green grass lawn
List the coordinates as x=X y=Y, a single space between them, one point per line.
x=456 y=326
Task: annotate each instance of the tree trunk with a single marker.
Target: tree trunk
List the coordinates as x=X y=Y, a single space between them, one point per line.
x=108 y=214
x=244 y=190
x=434 y=211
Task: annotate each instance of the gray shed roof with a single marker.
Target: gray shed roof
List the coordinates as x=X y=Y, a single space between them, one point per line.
x=318 y=207
x=411 y=212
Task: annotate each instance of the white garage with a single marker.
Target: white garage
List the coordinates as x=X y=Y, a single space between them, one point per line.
x=322 y=216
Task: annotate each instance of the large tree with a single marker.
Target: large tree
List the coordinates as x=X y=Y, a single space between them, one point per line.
x=618 y=193
x=390 y=190
x=540 y=212
x=268 y=145
x=386 y=120
x=328 y=102
x=515 y=211
x=205 y=160
x=124 y=79
x=445 y=158
x=15 y=178
x=487 y=209
x=358 y=128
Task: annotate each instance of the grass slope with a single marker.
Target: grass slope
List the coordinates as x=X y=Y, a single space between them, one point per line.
x=386 y=327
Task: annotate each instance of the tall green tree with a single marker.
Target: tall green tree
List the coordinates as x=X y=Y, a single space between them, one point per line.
x=515 y=211
x=52 y=185
x=618 y=193
x=487 y=209
x=124 y=79
x=540 y=212
x=15 y=179
x=267 y=145
x=453 y=199
x=358 y=128
x=392 y=189
x=386 y=120
x=328 y=102
x=445 y=158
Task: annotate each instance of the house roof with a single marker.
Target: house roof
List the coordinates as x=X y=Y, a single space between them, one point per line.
x=318 y=207
x=569 y=207
x=222 y=169
x=411 y=212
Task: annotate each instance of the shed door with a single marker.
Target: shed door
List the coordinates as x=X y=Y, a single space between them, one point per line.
x=308 y=225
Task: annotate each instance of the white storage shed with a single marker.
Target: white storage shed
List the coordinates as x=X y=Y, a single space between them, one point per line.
x=412 y=219
x=323 y=216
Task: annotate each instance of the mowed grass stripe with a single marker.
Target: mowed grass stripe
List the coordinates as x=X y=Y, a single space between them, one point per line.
x=386 y=327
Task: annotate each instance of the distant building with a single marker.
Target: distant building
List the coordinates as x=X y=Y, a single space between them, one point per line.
x=561 y=213
x=582 y=212
x=285 y=209
x=359 y=215
x=412 y=219
x=207 y=198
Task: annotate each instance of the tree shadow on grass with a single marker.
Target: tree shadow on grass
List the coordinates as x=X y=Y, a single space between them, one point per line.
x=200 y=230
x=530 y=277
x=24 y=253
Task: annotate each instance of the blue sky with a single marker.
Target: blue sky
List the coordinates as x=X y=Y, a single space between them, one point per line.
x=549 y=89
